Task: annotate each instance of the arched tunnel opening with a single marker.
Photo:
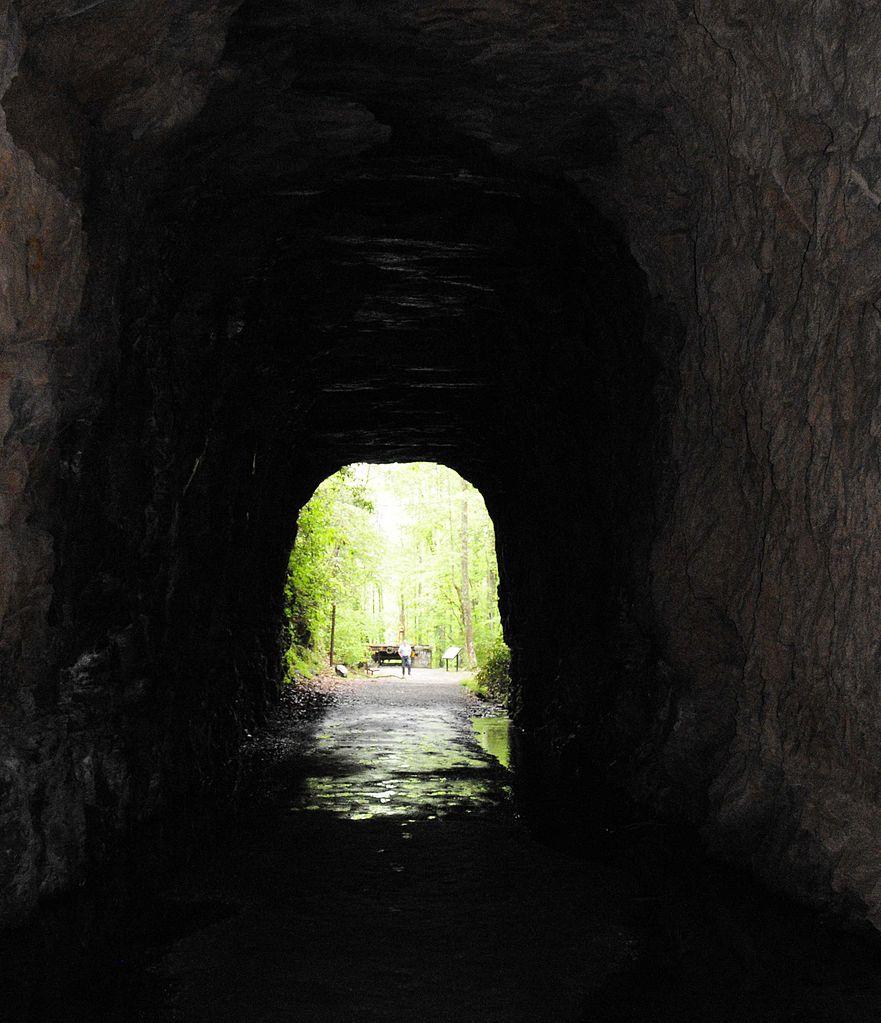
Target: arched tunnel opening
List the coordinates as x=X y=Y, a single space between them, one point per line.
x=467 y=321
x=391 y=553
x=613 y=264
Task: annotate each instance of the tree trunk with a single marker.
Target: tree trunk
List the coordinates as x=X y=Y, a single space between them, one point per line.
x=492 y=591
x=465 y=582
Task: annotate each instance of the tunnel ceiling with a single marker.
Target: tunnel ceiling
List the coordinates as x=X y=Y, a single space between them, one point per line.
x=451 y=291
x=293 y=94
x=334 y=189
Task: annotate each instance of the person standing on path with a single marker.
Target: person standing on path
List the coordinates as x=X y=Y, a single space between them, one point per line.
x=406 y=652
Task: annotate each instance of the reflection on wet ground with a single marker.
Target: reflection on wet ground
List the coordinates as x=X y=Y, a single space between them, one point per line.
x=421 y=764
x=494 y=735
x=389 y=881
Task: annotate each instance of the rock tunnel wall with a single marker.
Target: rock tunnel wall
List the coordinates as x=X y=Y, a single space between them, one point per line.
x=713 y=482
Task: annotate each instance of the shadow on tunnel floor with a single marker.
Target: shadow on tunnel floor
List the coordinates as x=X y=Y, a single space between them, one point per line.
x=701 y=942
x=713 y=943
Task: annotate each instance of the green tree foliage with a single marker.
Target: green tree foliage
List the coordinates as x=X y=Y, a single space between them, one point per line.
x=493 y=680
x=335 y=563
x=396 y=548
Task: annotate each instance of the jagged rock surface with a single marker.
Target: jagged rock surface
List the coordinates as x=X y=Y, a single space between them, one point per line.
x=243 y=246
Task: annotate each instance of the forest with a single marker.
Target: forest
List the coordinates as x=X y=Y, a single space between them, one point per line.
x=389 y=550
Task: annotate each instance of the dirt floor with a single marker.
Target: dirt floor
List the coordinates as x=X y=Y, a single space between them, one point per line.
x=392 y=881
x=380 y=871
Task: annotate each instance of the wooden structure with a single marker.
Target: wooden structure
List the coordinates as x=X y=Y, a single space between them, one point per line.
x=387 y=653
x=421 y=656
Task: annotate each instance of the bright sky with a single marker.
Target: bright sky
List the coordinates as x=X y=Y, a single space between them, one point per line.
x=389 y=512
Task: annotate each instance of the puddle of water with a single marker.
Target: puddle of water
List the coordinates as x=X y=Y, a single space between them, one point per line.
x=382 y=766
x=494 y=735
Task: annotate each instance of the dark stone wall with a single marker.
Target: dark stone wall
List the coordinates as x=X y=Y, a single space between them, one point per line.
x=231 y=246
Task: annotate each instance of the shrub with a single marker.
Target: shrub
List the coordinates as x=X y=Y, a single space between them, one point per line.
x=494 y=676
x=301 y=661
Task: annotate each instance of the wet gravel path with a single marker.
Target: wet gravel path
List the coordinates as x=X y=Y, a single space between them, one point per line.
x=387 y=879
x=376 y=871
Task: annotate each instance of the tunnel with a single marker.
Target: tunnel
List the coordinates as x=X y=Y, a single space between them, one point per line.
x=615 y=264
